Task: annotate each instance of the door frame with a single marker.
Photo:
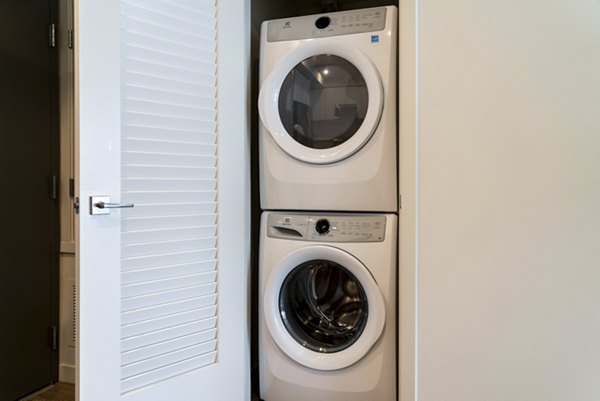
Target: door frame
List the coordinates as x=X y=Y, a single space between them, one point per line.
x=55 y=104
x=408 y=185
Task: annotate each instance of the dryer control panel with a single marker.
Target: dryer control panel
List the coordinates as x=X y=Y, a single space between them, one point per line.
x=324 y=25
x=327 y=227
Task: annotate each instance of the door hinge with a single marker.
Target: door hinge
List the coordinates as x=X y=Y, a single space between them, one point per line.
x=53 y=337
x=54 y=187
x=52 y=35
x=76 y=205
x=70 y=39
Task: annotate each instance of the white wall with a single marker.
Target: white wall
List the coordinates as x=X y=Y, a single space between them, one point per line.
x=505 y=175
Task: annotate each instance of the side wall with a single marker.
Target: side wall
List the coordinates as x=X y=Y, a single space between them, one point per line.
x=507 y=188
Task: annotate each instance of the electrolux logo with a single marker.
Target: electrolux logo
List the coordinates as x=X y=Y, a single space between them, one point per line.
x=374 y=38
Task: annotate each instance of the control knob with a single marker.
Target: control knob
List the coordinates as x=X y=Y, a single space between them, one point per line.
x=322 y=22
x=322 y=226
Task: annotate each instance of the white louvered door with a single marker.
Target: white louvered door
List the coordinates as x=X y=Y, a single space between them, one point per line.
x=162 y=122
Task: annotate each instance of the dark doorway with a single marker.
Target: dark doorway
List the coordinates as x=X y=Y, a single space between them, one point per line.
x=29 y=219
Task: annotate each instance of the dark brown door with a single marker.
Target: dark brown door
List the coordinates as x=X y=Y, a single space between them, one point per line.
x=28 y=212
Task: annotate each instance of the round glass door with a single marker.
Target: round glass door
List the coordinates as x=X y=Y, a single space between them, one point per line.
x=323 y=306
x=323 y=101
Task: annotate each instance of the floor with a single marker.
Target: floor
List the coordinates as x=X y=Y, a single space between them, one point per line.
x=66 y=392
x=57 y=392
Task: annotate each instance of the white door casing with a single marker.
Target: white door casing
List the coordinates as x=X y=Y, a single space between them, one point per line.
x=101 y=101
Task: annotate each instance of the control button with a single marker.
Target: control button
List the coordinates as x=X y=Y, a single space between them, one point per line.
x=322 y=226
x=322 y=23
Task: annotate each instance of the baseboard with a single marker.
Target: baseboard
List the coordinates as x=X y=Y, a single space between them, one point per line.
x=66 y=373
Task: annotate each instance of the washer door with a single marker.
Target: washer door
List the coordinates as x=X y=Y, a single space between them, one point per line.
x=322 y=101
x=323 y=308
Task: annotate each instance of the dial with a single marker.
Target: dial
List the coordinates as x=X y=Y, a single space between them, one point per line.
x=322 y=22
x=322 y=226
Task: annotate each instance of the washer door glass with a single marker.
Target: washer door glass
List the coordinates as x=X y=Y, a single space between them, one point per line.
x=323 y=306
x=323 y=101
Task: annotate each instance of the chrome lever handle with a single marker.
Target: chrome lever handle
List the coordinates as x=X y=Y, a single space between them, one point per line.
x=103 y=205
x=108 y=205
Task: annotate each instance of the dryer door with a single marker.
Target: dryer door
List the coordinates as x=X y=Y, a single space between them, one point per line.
x=323 y=308
x=322 y=101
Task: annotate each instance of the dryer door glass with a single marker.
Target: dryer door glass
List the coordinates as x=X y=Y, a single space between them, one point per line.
x=323 y=101
x=323 y=306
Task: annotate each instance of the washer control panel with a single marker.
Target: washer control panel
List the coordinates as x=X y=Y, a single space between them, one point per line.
x=327 y=228
x=323 y=25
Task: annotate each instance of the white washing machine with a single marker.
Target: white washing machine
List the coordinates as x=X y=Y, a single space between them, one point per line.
x=327 y=105
x=327 y=307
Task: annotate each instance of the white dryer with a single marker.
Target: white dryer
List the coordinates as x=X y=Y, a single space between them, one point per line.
x=327 y=307
x=327 y=105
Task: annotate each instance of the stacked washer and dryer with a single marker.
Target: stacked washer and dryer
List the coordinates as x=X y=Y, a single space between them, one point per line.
x=328 y=188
